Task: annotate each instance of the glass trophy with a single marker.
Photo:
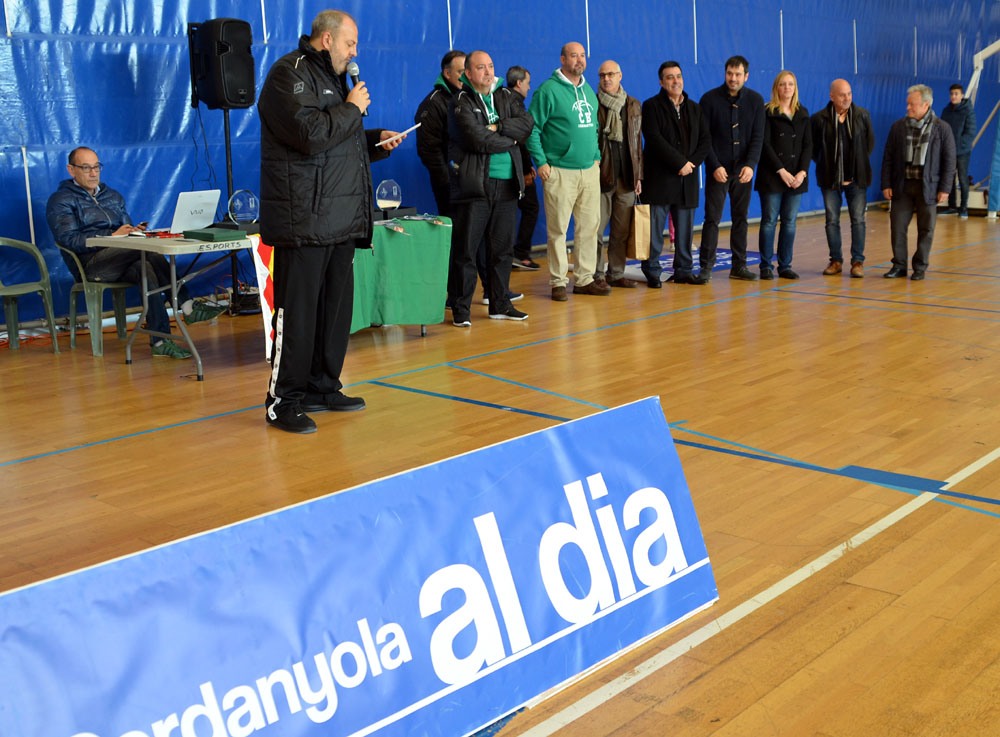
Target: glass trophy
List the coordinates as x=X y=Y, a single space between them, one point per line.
x=388 y=195
x=244 y=207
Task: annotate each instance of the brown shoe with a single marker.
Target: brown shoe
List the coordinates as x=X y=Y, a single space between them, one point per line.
x=623 y=283
x=597 y=288
x=857 y=270
x=833 y=269
x=559 y=294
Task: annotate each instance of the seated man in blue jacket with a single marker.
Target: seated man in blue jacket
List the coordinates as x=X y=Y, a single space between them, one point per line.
x=85 y=208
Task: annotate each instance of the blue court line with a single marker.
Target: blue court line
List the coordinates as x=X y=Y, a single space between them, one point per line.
x=775 y=294
x=891 y=301
x=476 y=402
x=927 y=296
x=528 y=386
x=886 y=479
x=125 y=437
x=963 y=273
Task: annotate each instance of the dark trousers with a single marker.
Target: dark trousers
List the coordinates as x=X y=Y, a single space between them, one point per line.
x=683 y=218
x=856 y=204
x=904 y=204
x=528 y=205
x=490 y=219
x=313 y=306
x=739 y=203
x=962 y=171
x=124 y=264
x=442 y=196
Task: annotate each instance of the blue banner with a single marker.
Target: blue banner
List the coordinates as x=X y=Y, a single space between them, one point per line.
x=430 y=603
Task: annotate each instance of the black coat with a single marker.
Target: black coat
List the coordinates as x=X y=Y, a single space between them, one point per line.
x=315 y=179
x=824 y=135
x=432 y=135
x=787 y=145
x=939 y=164
x=962 y=119
x=664 y=155
x=717 y=107
x=471 y=143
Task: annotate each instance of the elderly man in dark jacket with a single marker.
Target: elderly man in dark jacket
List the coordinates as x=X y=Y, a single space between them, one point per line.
x=842 y=144
x=486 y=122
x=316 y=208
x=961 y=116
x=619 y=136
x=676 y=143
x=735 y=117
x=918 y=169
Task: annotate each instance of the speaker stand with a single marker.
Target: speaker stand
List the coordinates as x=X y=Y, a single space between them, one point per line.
x=240 y=302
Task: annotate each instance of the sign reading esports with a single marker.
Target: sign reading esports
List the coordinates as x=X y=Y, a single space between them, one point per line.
x=432 y=602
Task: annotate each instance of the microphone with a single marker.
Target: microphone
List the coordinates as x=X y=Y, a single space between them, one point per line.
x=352 y=69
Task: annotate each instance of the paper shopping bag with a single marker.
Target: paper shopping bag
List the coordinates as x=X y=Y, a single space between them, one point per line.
x=638 y=237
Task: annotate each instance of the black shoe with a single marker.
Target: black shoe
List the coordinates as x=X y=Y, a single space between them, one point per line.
x=766 y=274
x=705 y=274
x=336 y=402
x=657 y=284
x=787 y=274
x=290 y=419
x=743 y=274
x=917 y=276
x=696 y=279
x=460 y=319
x=895 y=273
x=511 y=313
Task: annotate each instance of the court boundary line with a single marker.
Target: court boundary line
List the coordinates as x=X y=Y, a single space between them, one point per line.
x=668 y=655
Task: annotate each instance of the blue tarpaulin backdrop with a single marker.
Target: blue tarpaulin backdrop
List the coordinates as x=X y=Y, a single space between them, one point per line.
x=114 y=76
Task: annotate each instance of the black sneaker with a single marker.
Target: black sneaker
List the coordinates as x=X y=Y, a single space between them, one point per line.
x=525 y=263
x=511 y=313
x=742 y=273
x=336 y=402
x=290 y=419
x=766 y=274
x=460 y=321
x=787 y=274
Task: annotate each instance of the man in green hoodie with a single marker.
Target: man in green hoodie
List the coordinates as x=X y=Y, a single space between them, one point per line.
x=564 y=147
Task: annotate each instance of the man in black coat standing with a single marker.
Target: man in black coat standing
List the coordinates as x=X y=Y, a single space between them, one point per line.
x=316 y=208
x=961 y=116
x=486 y=122
x=842 y=144
x=918 y=171
x=735 y=116
x=432 y=135
x=676 y=143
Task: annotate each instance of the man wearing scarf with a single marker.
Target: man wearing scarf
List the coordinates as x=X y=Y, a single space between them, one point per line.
x=918 y=169
x=619 y=133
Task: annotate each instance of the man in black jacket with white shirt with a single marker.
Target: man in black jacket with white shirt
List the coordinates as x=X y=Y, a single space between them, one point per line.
x=486 y=123
x=316 y=208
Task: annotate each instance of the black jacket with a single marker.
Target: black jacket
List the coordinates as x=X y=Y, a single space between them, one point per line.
x=717 y=107
x=315 y=179
x=664 y=155
x=432 y=135
x=824 y=135
x=74 y=215
x=962 y=119
x=787 y=145
x=939 y=164
x=470 y=142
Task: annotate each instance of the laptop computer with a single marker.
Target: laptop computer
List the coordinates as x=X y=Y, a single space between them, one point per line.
x=194 y=210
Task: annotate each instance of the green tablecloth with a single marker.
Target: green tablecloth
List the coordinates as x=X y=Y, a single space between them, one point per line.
x=403 y=278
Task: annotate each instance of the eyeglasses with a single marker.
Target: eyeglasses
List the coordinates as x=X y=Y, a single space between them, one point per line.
x=87 y=168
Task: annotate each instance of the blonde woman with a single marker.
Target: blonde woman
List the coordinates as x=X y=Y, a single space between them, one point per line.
x=782 y=176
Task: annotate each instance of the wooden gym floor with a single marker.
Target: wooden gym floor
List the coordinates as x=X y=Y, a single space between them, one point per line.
x=837 y=436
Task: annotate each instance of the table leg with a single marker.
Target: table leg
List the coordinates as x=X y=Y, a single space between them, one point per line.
x=423 y=331
x=179 y=314
x=145 y=308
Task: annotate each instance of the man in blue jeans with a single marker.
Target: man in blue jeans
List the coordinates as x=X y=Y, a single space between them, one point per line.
x=842 y=146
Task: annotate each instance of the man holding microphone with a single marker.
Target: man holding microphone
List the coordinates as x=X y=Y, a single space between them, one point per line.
x=316 y=208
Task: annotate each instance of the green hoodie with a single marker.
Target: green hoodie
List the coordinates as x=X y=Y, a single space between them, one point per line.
x=565 y=132
x=501 y=165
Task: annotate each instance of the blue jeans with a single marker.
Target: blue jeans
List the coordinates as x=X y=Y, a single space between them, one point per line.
x=856 y=202
x=683 y=218
x=773 y=204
